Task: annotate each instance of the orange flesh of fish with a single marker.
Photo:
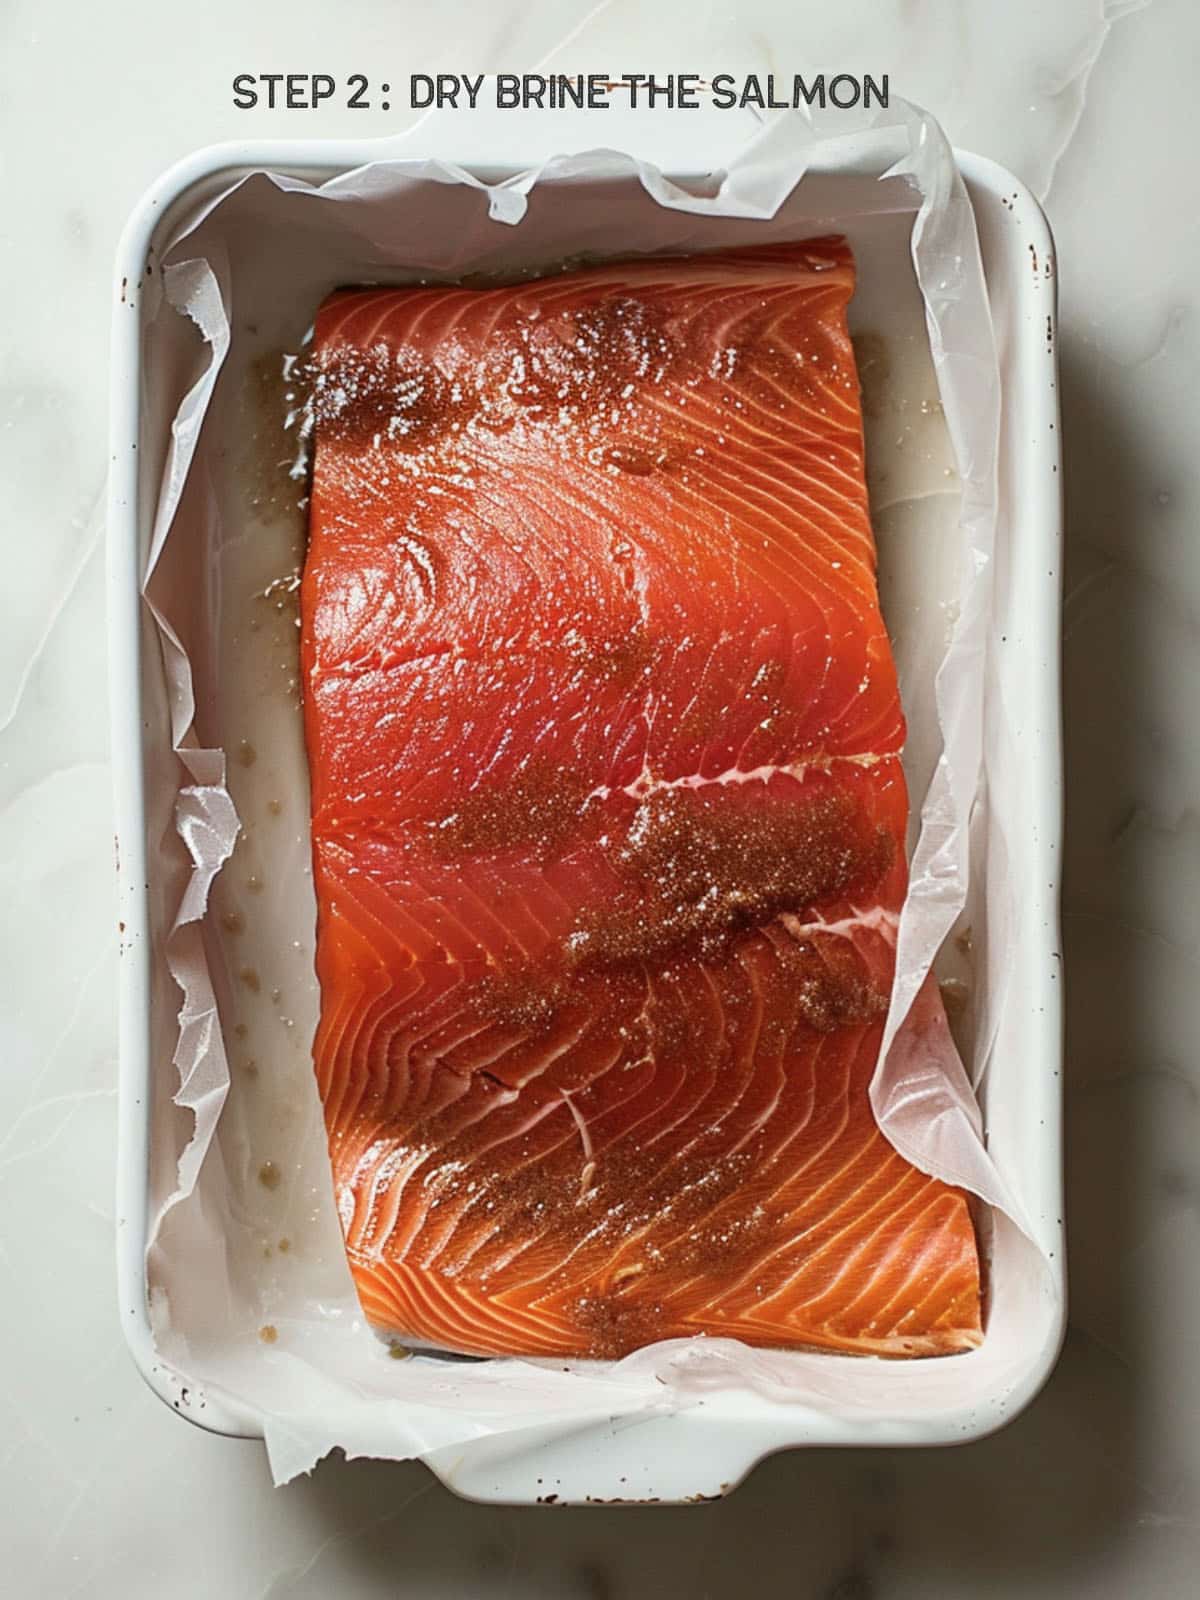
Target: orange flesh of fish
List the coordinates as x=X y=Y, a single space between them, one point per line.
x=608 y=818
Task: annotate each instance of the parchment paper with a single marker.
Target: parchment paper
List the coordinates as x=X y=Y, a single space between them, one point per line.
x=250 y=1293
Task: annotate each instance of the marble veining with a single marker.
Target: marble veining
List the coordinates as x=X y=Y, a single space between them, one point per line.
x=1095 y=1491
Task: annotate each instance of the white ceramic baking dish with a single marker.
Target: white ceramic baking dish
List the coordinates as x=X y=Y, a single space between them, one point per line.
x=704 y=1450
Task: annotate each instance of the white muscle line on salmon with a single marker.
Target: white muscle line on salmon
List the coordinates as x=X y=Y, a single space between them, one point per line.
x=374 y=1176
x=714 y=1121
x=843 y=1222
x=534 y=1238
x=588 y=1170
x=511 y=1132
x=877 y=920
x=427 y=579
x=791 y=564
x=646 y=784
x=922 y=1270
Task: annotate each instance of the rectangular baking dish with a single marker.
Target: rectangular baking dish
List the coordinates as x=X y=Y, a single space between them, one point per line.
x=705 y=1450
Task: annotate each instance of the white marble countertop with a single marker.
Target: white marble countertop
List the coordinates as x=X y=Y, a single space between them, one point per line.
x=1096 y=1489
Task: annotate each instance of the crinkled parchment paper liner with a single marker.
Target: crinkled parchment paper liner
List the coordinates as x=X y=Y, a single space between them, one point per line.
x=270 y=1317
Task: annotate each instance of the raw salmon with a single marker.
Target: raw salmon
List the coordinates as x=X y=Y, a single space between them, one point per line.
x=608 y=818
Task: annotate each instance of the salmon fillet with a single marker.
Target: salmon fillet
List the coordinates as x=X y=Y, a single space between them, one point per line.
x=608 y=818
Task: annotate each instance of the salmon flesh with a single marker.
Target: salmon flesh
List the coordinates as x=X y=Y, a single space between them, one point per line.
x=608 y=818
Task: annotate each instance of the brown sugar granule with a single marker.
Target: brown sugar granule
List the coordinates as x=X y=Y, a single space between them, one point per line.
x=247 y=754
x=542 y=1196
x=536 y=999
x=536 y=808
x=250 y=977
x=556 y=368
x=233 y=922
x=827 y=986
x=268 y=1333
x=525 y=1000
x=726 y=1244
x=627 y=1189
x=617 y=340
x=614 y=660
x=708 y=712
x=680 y=1192
x=615 y=1325
x=638 y=462
x=702 y=871
x=391 y=396
x=564 y=366
x=269 y=1175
